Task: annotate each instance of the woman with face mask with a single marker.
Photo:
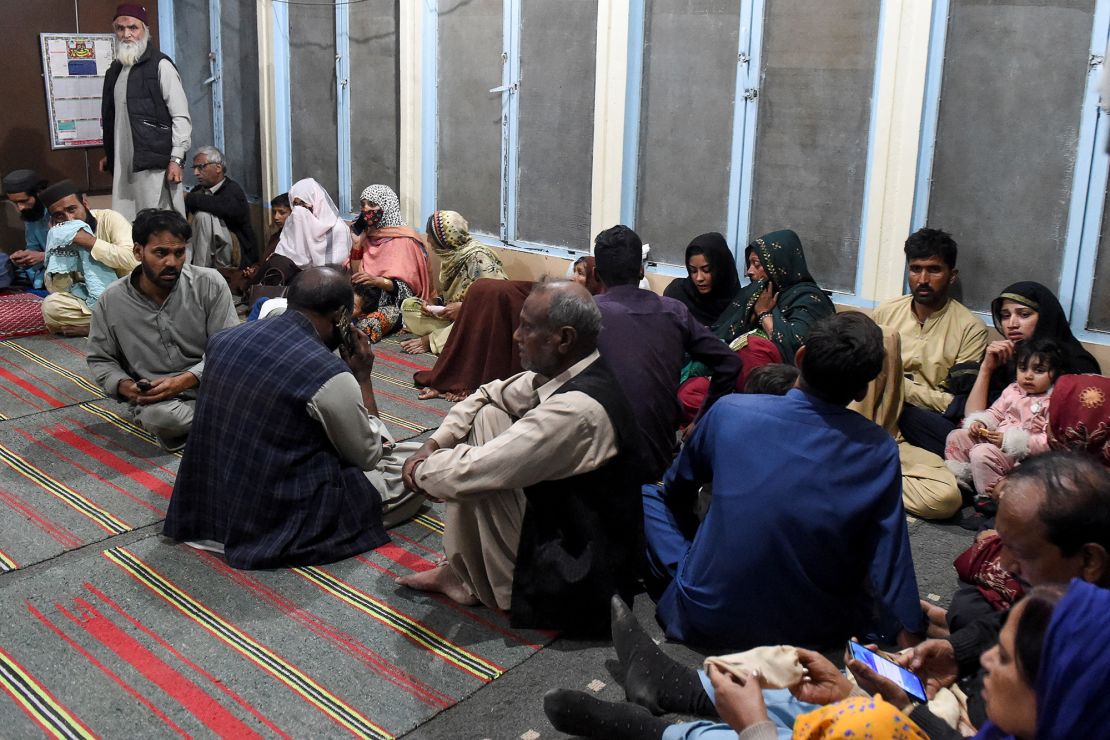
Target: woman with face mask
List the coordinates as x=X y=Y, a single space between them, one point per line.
x=389 y=256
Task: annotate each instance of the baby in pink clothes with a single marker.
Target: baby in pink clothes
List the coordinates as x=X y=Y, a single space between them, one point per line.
x=995 y=441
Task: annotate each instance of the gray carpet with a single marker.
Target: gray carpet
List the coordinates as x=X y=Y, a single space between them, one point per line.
x=107 y=629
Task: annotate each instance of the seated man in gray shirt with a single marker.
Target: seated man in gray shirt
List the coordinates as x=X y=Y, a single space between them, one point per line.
x=149 y=329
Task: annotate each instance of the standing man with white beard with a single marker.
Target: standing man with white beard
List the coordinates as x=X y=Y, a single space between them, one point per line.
x=147 y=129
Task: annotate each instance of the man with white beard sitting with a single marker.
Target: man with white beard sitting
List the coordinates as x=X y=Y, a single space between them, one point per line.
x=146 y=133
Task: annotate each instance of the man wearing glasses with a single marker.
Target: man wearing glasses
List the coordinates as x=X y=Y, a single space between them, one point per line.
x=223 y=237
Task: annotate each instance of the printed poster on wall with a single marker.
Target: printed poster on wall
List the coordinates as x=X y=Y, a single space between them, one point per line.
x=74 y=65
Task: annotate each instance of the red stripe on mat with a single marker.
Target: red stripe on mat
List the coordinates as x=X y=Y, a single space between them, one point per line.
x=348 y=644
x=87 y=471
x=409 y=402
x=390 y=357
x=103 y=668
x=122 y=448
x=61 y=536
x=112 y=460
x=20 y=398
x=219 y=685
x=447 y=601
x=31 y=388
x=209 y=712
x=39 y=379
x=414 y=543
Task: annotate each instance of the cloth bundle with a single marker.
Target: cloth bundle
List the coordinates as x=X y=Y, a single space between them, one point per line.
x=90 y=277
x=778 y=665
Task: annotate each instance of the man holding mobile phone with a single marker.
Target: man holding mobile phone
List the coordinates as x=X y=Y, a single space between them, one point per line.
x=149 y=329
x=288 y=463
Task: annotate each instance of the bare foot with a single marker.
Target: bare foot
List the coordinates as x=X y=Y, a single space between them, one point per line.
x=417 y=346
x=456 y=397
x=427 y=394
x=439 y=580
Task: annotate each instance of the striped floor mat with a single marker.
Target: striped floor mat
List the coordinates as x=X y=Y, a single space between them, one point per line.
x=74 y=476
x=42 y=373
x=75 y=470
x=153 y=639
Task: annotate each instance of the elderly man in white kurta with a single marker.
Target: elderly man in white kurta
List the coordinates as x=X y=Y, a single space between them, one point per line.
x=147 y=129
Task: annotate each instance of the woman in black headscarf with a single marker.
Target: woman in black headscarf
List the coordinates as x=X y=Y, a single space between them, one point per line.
x=711 y=281
x=1022 y=312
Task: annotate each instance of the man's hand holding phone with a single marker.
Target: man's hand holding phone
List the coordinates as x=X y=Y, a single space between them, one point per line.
x=876 y=673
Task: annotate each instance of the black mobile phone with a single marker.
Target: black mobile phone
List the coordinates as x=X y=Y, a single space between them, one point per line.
x=346 y=330
x=143 y=384
x=887 y=668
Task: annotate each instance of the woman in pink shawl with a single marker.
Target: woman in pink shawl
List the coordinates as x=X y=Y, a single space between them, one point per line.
x=390 y=258
x=313 y=234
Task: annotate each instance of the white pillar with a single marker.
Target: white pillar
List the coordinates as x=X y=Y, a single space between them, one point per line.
x=611 y=79
x=410 y=44
x=267 y=114
x=904 y=39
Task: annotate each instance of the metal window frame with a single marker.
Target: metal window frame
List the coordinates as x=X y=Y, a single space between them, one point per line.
x=1077 y=276
x=343 y=106
x=283 y=109
x=1089 y=178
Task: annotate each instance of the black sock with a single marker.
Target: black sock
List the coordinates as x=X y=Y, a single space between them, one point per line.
x=578 y=713
x=651 y=678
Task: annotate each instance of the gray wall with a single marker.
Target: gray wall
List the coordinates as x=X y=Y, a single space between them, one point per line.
x=375 y=89
x=312 y=92
x=558 y=49
x=689 y=78
x=193 y=44
x=1014 y=78
x=242 y=132
x=469 y=119
x=814 y=115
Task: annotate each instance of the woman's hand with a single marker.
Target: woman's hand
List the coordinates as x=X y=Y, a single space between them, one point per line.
x=998 y=354
x=374 y=281
x=823 y=683
x=767 y=300
x=363 y=278
x=739 y=702
x=873 y=683
x=451 y=311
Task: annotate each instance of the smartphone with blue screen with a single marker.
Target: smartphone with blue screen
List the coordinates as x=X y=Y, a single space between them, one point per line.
x=887 y=668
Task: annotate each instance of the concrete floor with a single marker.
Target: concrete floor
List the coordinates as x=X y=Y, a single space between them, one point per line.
x=512 y=707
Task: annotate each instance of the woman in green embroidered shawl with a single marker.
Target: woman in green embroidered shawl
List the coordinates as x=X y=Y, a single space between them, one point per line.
x=781 y=302
x=462 y=260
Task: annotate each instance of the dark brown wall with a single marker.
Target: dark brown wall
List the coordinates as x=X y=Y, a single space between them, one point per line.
x=24 y=127
x=24 y=134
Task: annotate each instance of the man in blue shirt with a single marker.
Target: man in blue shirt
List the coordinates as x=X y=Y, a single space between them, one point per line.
x=805 y=542
x=22 y=188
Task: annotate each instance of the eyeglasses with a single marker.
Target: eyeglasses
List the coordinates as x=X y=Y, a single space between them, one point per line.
x=199 y=167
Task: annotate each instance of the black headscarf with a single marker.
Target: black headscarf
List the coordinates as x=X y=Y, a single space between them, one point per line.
x=1052 y=323
x=722 y=265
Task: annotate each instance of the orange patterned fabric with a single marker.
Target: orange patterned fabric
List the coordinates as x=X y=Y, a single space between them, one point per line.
x=858 y=718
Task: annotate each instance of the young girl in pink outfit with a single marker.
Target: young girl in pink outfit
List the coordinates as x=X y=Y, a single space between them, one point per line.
x=995 y=440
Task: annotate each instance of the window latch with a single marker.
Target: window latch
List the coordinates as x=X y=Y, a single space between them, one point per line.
x=751 y=93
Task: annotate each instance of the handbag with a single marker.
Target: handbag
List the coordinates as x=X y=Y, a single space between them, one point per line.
x=275 y=280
